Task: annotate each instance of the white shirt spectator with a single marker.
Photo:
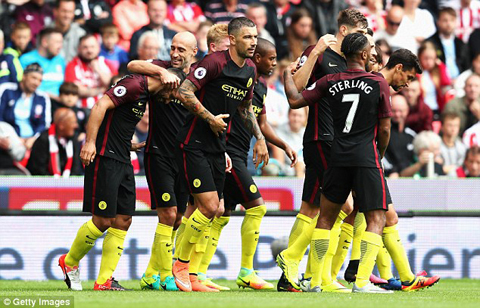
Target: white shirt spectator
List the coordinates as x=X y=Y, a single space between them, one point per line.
x=422 y=26
x=471 y=137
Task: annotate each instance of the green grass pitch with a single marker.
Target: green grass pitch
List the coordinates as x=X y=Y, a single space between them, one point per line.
x=447 y=293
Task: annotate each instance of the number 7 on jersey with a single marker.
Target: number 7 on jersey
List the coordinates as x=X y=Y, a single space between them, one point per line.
x=354 y=99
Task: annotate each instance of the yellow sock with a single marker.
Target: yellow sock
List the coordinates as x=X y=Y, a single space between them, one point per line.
x=301 y=222
x=194 y=228
x=359 y=228
x=346 y=236
x=392 y=242
x=83 y=242
x=217 y=226
x=332 y=248
x=111 y=252
x=297 y=250
x=384 y=263
x=161 y=258
x=306 y=239
x=370 y=245
x=174 y=236
x=199 y=250
x=319 y=247
x=250 y=233
x=179 y=237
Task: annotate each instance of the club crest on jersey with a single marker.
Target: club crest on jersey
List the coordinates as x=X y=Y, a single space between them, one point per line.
x=120 y=91
x=200 y=73
x=302 y=61
x=249 y=83
x=310 y=88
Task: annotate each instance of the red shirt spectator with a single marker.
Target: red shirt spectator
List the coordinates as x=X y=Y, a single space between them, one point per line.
x=420 y=116
x=36 y=14
x=184 y=16
x=129 y=16
x=468 y=19
x=375 y=14
x=471 y=166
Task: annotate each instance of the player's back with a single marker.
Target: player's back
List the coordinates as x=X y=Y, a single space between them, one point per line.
x=357 y=100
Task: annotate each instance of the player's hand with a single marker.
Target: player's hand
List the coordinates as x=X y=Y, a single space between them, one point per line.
x=137 y=146
x=324 y=42
x=228 y=163
x=217 y=125
x=292 y=68
x=260 y=153
x=170 y=80
x=87 y=155
x=292 y=155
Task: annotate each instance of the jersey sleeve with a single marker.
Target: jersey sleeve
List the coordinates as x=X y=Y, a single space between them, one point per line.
x=207 y=69
x=161 y=63
x=385 y=105
x=127 y=90
x=316 y=91
x=249 y=95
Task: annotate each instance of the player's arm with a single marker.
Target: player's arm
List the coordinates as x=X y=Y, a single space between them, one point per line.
x=295 y=98
x=155 y=71
x=384 y=126
x=273 y=138
x=302 y=75
x=260 y=151
x=95 y=120
x=186 y=94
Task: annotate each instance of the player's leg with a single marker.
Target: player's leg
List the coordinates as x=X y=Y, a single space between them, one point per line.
x=97 y=181
x=113 y=243
x=346 y=237
x=188 y=212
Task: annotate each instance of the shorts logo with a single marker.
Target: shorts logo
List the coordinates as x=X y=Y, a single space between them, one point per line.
x=310 y=88
x=197 y=183
x=253 y=188
x=166 y=197
x=120 y=91
x=102 y=205
x=200 y=73
x=249 y=83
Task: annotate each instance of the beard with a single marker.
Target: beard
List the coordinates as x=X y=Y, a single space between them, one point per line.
x=85 y=59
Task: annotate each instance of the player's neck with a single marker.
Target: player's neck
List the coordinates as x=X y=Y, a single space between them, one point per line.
x=355 y=66
x=338 y=46
x=387 y=74
x=236 y=58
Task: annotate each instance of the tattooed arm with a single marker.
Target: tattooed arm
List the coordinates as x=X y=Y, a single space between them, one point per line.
x=260 y=151
x=186 y=94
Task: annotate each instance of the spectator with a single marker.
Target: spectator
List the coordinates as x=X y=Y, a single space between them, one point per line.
x=471 y=137
x=468 y=107
x=469 y=13
x=222 y=11
x=47 y=54
x=93 y=14
x=257 y=13
x=385 y=48
x=148 y=46
x=37 y=14
x=24 y=107
x=292 y=133
x=20 y=43
x=399 y=154
x=460 y=81
x=157 y=12
x=201 y=35
x=420 y=116
x=12 y=151
x=89 y=72
x=375 y=14
x=300 y=34
x=53 y=151
x=416 y=23
x=391 y=34
x=450 y=49
x=109 y=48
x=452 y=148
x=471 y=166
x=69 y=99
x=184 y=16
x=63 y=14
x=325 y=14
x=278 y=18
x=129 y=16
x=8 y=65
x=434 y=81
x=426 y=145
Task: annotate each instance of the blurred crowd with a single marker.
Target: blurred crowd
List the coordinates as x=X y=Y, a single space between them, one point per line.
x=57 y=58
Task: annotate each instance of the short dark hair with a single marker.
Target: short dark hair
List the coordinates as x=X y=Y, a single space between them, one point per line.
x=57 y=3
x=475 y=150
x=237 y=23
x=263 y=46
x=85 y=37
x=68 y=88
x=352 y=18
x=109 y=29
x=353 y=44
x=405 y=57
x=369 y=31
x=447 y=10
x=177 y=72
x=47 y=32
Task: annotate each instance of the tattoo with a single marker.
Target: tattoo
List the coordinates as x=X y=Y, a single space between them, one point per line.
x=186 y=94
x=246 y=112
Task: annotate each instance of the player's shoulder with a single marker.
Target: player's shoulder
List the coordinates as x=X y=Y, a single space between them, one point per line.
x=261 y=81
x=379 y=78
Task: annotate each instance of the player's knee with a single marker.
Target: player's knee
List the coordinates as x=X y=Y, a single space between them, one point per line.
x=168 y=215
x=309 y=209
x=221 y=209
x=103 y=223
x=178 y=220
x=392 y=219
x=375 y=220
x=122 y=222
x=347 y=207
